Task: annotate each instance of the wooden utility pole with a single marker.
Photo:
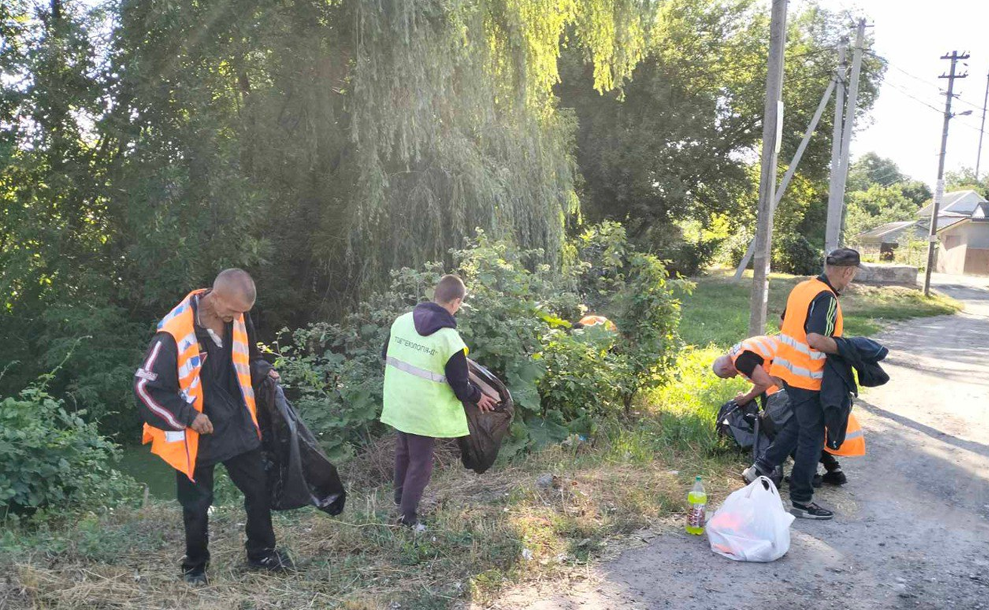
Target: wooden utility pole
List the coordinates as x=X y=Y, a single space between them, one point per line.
x=982 y=129
x=767 y=177
x=955 y=57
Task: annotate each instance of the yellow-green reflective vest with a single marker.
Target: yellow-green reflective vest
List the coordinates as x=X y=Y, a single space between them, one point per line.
x=418 y=399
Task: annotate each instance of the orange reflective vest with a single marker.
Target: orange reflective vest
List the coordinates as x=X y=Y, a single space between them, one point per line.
x=595 y=320
x=854 y=443
x=796 y=362
x=179 y=447
x=767 y=347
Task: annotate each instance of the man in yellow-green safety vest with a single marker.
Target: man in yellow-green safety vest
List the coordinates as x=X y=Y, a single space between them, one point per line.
x=426 y=382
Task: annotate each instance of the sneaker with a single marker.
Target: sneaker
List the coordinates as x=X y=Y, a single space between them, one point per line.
x=416 y=526
x=195 y=577
x=752 y=473
x=835 y=477
x=810 y=511
x=275 y=561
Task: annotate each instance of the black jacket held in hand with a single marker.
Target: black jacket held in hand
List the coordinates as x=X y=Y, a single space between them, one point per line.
x=429 y=318
x=839 y=385
x=299 y=473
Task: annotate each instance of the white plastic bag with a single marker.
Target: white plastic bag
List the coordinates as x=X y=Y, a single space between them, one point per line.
x=751 y=525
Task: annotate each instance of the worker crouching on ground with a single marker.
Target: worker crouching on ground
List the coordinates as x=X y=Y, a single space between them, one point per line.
x=195 y=394
x=752 y=359
x=426 y=380
x=811 y=320
x=595 y=320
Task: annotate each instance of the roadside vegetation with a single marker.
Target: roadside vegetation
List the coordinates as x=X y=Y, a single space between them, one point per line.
x=537 y=515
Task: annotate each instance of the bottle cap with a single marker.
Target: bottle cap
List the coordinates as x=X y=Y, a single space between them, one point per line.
x=697 y=478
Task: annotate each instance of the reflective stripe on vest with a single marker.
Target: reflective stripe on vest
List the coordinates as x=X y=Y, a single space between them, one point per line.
x=414 y=370
x=180 y=448
x=800 y=347
x=798 y=370
x=796 y=362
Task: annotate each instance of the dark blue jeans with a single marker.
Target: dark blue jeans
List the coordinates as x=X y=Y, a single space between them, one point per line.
x=803 y=432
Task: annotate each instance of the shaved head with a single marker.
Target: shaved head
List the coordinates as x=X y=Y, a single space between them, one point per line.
x=723 y=367
x=236 y=285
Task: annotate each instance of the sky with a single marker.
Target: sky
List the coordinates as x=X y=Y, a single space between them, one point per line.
x=913 y=35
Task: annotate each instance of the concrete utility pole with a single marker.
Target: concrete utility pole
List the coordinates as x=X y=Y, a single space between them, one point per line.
x=839 y=112
x=982 y=129
x=836 y=198
x=767 y=177
x=939 y=187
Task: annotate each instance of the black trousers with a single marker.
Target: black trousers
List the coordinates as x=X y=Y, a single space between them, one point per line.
x=247 y=473
x=803 y=432
x=413 y=468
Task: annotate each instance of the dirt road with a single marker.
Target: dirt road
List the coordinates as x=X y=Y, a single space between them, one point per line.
x=912 y=525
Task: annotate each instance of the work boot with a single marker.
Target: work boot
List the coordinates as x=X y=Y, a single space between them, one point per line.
x=195 y=577
x=275 y=561
x=835 y=477
x=810 y=511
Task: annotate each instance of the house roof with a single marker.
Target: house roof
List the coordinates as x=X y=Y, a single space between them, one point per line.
x=889 y=229
x=944 y=222
x=958 y=202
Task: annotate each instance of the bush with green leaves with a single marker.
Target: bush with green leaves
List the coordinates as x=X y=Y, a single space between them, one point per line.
x=519 y=323
x=795 y=254
x=51 y=459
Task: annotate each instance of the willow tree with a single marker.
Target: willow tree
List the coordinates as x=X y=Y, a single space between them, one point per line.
x=356 y=135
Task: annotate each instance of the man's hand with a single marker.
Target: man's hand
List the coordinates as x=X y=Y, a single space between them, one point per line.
x=822 y=343
x=486 y=403
x=274 y=374
x=202 y=424
x=742 y=399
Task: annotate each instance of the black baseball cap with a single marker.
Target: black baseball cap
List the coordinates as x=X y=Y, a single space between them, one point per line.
x=844 y=257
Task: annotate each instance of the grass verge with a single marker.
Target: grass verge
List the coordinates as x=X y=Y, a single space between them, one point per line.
x=717 y=311
x=533 y=518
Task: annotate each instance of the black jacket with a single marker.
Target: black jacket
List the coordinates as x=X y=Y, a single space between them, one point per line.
x=839 y=385
x=161 y=405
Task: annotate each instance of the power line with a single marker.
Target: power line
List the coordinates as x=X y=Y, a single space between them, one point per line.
x=922 y=80
x=916 y=99
x=934 y=108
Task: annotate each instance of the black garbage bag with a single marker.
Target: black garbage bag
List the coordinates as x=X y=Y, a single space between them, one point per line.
x=741 y=424
x=487 y=429
x=776 y=413
x=299 y=473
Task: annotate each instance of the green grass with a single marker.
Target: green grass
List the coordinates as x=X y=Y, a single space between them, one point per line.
x=138 y=462
x=717 y=312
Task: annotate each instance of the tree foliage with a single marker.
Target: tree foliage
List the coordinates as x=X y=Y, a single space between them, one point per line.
x=317 y=143
x=680 y=140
